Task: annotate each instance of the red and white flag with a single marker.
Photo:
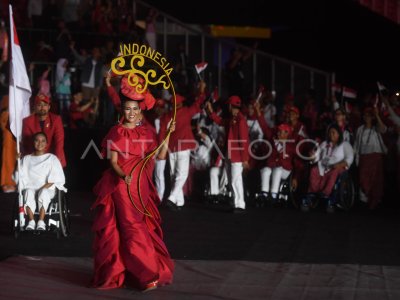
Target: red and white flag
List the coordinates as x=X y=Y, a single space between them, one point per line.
x=19 y=88
x=349 y=93
x=336 y=88
x=200 y=67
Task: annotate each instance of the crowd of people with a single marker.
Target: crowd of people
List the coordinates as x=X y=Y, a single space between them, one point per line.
x=245 y=147
x=238 y=144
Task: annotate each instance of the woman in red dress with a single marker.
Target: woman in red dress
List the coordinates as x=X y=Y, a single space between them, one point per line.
x=128 y=246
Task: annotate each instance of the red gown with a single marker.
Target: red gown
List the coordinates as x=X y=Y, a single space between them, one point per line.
x=128 y=245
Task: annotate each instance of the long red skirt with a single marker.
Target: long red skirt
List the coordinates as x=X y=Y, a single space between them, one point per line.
x=128 y=245
x=370 y=170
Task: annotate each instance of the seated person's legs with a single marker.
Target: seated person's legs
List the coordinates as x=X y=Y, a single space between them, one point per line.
x=44 y=198
x=265 y=178
x=30 y=207
x=278 y=174
x=214 y=180
x=314 y=186
x=329 y=181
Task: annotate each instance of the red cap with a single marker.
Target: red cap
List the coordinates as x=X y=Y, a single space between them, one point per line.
x=235 y=101
x=42 y=98
x=295 y=109
x=285 y=127
x=180 y=99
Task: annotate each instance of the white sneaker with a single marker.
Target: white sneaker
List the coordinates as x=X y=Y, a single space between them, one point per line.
x=41 y=225
x=31 y=225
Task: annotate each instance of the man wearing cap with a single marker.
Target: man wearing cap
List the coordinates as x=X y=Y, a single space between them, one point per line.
x=44 y=121
x=181 y=142
x=237 y=146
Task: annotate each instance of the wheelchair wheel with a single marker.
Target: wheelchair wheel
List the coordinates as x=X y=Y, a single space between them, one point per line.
x=346 y=193
x=291 y=195
x=63 y=214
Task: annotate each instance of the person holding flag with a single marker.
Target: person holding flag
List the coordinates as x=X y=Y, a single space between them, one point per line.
x=236 y=148
x=19 y=94
x=369 y=149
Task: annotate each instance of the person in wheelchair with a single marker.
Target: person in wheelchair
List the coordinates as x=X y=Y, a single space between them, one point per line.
x=331 y=158
x=41 y=173
x=279 y=164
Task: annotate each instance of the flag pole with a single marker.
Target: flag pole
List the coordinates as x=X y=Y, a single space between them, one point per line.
x=20 y=198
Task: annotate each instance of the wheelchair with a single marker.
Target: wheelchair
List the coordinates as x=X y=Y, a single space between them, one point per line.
x=56 y=218
x=223 y=198
x=287 y=195
x=343 y=194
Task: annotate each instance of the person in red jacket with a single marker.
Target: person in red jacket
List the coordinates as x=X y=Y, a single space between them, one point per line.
x=237 y=147
x=279 y=163
x=44 y=121
x=181 y=143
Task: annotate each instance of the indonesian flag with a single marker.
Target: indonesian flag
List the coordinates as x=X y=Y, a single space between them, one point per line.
x=200 y=67
x=215 y=95
x=19 y=88
x=336 y=88
x=381 y=87
x=349 y=93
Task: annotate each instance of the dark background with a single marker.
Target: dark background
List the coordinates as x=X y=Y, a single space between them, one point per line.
x=339 y=36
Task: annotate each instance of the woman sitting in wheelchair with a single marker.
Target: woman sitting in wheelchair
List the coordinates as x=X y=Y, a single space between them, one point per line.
x=332 y=157
x=41 y=173
x=278 y=164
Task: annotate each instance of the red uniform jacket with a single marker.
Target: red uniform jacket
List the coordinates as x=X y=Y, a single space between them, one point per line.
x=282 y=157
x=182 y=138
x=237 y=143
x=53 y=128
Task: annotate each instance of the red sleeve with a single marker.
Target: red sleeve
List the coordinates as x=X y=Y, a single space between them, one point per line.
x=217 y=119
x=114 y=98
x=196 y=106
x=59 y=140
x=268 y=134
x=244 y=136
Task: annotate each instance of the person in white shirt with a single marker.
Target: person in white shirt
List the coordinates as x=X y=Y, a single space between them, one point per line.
x=41 y=173
x=369 y=150
x=332 y=157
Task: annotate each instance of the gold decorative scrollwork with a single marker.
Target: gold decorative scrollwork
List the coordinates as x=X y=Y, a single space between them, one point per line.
x=149 y=76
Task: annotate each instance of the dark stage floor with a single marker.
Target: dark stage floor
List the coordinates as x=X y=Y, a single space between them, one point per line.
x=269 y=253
